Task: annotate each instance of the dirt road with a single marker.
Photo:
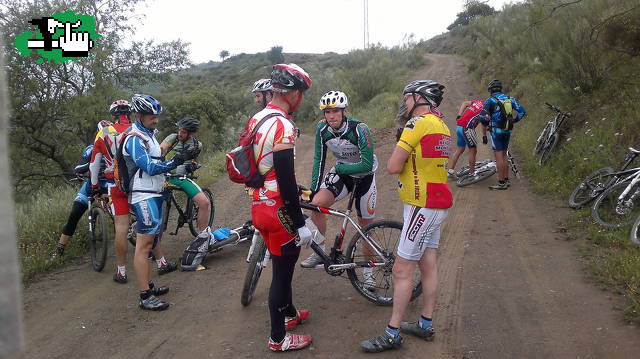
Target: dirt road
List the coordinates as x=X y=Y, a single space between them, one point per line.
x=510 y=286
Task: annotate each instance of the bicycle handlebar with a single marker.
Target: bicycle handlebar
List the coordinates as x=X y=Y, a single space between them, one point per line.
x=552 y=107
x=181 y=176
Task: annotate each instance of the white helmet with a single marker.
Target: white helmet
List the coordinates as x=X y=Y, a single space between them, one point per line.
x=262 y=85
x=333 y=99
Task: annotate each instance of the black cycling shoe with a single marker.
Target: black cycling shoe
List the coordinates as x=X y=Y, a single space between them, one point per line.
x=170 y=267
x=120 y=278
x=153 y=303
x=161 y=290
x=381 y=343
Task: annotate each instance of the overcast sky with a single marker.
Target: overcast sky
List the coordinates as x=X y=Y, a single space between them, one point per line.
x=307 y=26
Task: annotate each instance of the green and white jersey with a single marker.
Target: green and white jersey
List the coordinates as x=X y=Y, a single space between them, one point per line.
x=176 y=145
x=352 y=146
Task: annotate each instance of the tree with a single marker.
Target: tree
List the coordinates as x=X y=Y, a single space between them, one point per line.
x=275 y=55
x=472 y=9
x=224 y=54
x=56 y=106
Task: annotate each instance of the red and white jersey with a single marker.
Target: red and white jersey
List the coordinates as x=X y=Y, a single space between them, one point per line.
x=104 y=146
x=276 y=130
x=471 y=111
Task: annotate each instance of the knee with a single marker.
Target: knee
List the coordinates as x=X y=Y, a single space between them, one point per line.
x=401 y=271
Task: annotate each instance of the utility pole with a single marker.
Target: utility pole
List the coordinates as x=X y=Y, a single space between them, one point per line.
x=366 y=23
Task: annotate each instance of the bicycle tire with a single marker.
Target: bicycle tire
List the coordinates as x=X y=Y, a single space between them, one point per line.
x=387 y=234
x=481 y=174
x=590 y=188
x=608 y=211
x=193 y=213
x=542 y=138
x=550 y=145
x=253 y=272
x=133 y=229
x=99 y=238
x=634 y=236
x=465 y=170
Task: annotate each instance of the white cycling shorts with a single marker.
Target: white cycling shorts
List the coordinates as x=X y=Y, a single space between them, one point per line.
x=421 y=230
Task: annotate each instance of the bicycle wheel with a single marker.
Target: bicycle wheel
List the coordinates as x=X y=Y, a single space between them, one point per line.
x=590 y=188
x=542 y=138
x=611 y=211
x=253 y=271
x=99 y=238
x=634 y=236
x=465 y=170
x=550 y=144
x=193 y=213
x=481 y=174
x=133 y=229
x=377 y=286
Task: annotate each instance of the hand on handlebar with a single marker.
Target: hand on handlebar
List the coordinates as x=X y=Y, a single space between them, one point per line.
x=305 y=237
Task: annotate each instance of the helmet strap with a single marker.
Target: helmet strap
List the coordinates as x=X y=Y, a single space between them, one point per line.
x=264 y=98
x=294 y=107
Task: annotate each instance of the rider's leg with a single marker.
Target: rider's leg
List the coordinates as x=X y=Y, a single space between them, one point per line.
x=403 y=270
x=204 y=208
x=473 y=151
x=501 y=163
x=456 y=156
x=429 y=276
x=122 y=228
x=144 y=242
x=324 y=198
x=461 y=143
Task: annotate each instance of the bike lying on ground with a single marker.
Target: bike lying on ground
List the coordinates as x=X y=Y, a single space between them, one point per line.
x=188 y=215
x=634 y=236
x=619 y=205
x=550 y=135
x=483 y=170
x=597 y=182
x=368 y=261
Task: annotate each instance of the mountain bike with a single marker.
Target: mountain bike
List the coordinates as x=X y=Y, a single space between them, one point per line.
x=99 y=214
x=371 y=249
x=258 y=259
x=187 y=215
x=597 y=182
x=550 y=135
x=619 y=205
x=634 y=236
x=483 y=170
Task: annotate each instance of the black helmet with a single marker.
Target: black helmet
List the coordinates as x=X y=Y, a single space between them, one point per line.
x=430 y=90
x=494 y=85
x=286 y=77
x=189 y=124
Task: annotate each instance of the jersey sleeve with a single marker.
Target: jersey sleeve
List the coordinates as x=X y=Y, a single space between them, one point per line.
x=365 y=145
x=410 y=136
x=171 y=139
x=83 y=163
x=285 y=133
x=319 y=159
x=519 y=108
x=136 y=149
x=99 y=148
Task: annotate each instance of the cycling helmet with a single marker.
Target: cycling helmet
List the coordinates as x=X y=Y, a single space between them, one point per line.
x=494 y=85
x=145 y=104
x=430 y=90
x=189 y=124
x=287 y=77
x=333 y=99
x=262 y=85
x=120 y=107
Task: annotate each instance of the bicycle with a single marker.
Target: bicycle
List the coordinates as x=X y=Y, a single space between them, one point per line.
x=597 y=182
x=634 y=236
x=371 y=247
x=550 y=135
x=619 y=205
x=483 y=170
x=99 y=210
x=188 y=215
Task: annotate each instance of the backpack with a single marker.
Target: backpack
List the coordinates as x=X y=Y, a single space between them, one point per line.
x=241 y=162
x=506 y=114
x=193 y=256
x=121 y=175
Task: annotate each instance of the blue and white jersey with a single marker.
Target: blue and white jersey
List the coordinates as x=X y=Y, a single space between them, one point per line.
x=491 y=108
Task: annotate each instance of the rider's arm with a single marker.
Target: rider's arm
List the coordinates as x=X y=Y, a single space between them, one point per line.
x=365 y=145
x=521 y=111
x=319 y=159
x=96 y=159
x=409 y=139
x=284 y=166
x=482 y=116
x=463 y=107
x=83 y=164
x=134 y=146
x=397 y=160
x=167 y=143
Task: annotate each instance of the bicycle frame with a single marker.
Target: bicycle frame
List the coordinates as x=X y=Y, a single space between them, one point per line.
x=634 y=180
x=331 y=266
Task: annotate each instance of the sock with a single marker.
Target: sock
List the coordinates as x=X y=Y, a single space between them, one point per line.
x=145 y=294
x=60 y=249
x=122 y=270
x=392 y=331
x=161 y=262
x=425 y=322
x=151 y=285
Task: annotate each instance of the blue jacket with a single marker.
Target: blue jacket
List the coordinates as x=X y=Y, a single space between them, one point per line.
x=492 y=108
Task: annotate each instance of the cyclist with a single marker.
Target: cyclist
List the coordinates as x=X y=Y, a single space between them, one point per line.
x=81 y=202
x=104 y=150
x=499 y=136
x=275 y=210
x=177 y=142
x=466 y=137
x=263 y=92
x=351 y=143
x=419 y=157
x=146 y=170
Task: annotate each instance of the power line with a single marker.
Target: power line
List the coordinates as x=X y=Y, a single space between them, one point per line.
x=366 y=23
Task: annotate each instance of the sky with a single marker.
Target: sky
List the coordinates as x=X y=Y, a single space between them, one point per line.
x=299 y=26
